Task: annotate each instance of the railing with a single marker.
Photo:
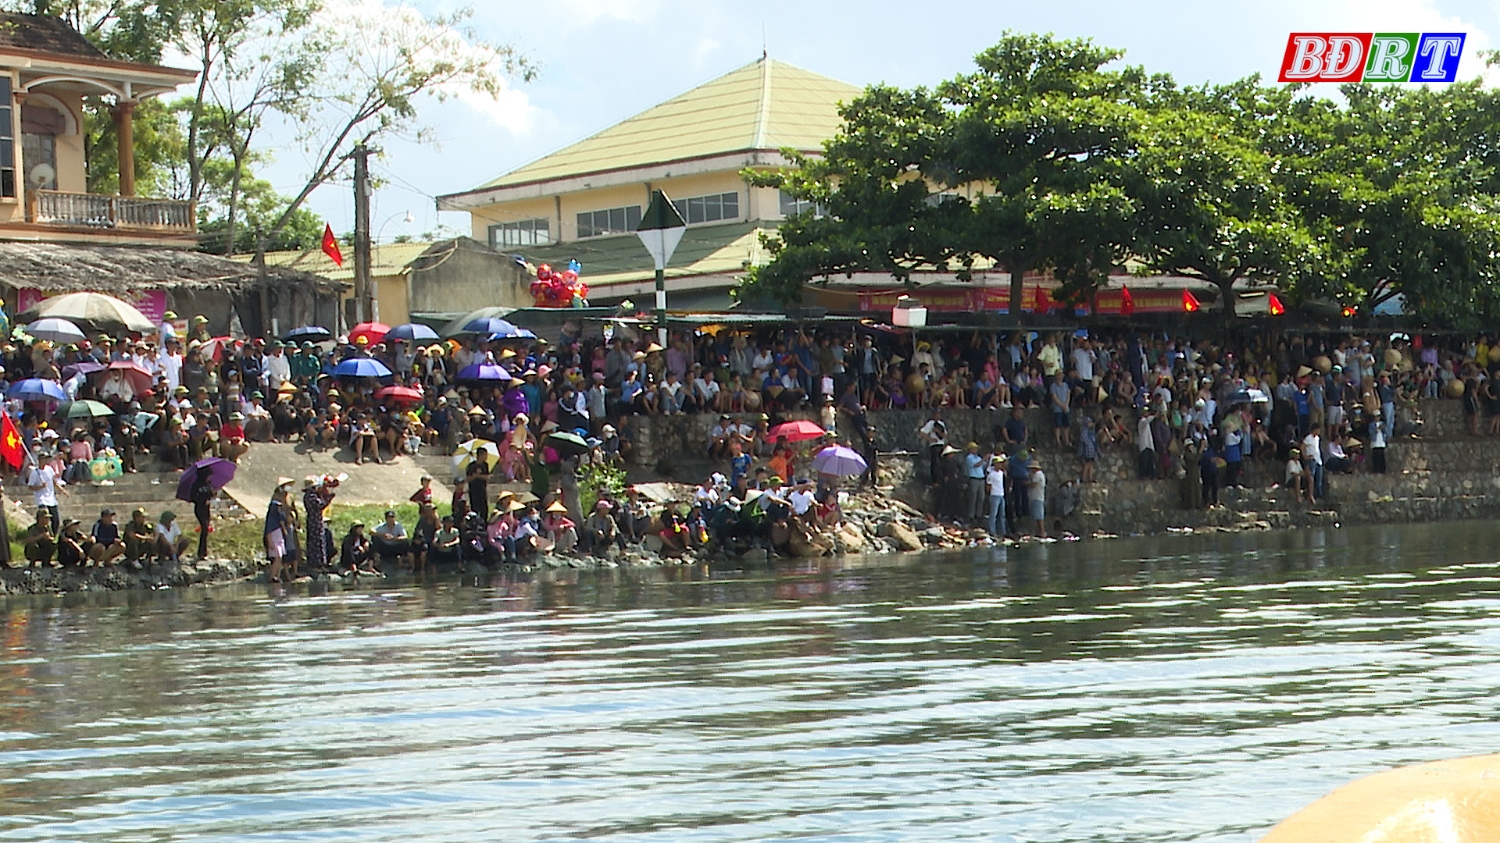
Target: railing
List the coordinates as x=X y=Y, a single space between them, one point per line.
x=88 y=210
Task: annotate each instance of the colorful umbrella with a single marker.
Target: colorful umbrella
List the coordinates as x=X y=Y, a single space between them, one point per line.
x=105 y=313
x=840 y=462
x=140 y=379
x=36 y=389
x=220 y=472
x=474 y=449
x=56 y=330
x=86 y=367
x=483 y=373
x=308 y=333
x=399 y=395
x=372 y=331
x=215 y=349
x=86 y=409
x=413 y=332
x=361 y=367
x=795 y=431
x=567 y=444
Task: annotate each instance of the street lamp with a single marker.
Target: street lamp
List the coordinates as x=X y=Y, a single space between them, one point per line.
x=407 y=219
x=660 y=231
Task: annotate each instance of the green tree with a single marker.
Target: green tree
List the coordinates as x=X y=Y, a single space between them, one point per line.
x=1005 y=166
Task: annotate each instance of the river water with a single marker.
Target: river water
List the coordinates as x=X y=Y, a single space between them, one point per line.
x=1182 y=688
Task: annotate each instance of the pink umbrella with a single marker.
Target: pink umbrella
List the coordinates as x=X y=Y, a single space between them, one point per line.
x=399 y=395
x=796 y=431
x=140 y=379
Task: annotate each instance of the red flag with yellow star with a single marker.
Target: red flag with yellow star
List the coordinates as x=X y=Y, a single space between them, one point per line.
x=12 y=448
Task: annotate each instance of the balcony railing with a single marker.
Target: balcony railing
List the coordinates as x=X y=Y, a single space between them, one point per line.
x=122 y=213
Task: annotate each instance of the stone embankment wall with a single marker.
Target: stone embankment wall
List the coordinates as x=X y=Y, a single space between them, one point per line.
x=1439 y=474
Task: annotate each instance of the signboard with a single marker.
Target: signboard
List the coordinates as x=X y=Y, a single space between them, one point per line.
x=152 y=303
x=1034 y=299
x=1372 y=56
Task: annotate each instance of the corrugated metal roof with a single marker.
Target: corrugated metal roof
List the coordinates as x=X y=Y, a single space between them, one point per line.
x=764 y=105
x=386 y=259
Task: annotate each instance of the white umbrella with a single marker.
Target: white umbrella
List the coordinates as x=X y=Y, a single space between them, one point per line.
x=60 y=331
x=96 y=309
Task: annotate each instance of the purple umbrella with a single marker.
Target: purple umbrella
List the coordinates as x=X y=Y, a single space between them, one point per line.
x=87 y=367
x=220 y=472
x=483 y=373
x=839 y=461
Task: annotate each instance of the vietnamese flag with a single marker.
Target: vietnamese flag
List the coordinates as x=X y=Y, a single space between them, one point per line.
x=1274 y=305
x=1127 y=302
x=1189 y=302
x=12 y=447
x=331 y=246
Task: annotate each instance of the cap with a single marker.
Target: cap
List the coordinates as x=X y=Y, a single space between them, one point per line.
x=390 y=513
x=169 y=316
x=106 y=512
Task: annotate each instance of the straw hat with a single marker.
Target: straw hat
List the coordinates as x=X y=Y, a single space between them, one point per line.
x=284 y=481
x=507 y=354
x=653 y=348
x=556 y=506
x=515 y=506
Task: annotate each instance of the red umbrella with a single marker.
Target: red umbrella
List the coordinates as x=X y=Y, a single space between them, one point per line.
x=140 y=379
x=796 y=431
x=216 y=348
x=374 y=332
x=399 y=395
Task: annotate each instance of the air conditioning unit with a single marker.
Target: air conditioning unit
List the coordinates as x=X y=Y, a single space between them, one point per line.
x=909 y=313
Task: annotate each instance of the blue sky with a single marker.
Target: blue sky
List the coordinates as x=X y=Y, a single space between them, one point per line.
x=603 y=60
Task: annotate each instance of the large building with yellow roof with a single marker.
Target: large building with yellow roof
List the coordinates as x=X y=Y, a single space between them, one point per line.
x=585 y=200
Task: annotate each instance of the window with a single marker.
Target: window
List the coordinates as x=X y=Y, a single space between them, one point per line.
x=936 y=199
x=7 y=142
x=610 y=221
x=719 y=206
x=792 y=205
x=537 y=232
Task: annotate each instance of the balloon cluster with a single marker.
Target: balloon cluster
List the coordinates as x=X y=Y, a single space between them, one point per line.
x=559 y=289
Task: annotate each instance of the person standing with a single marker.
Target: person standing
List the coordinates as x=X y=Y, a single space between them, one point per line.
x=974 y=473
x=995 y=479
x=1146 y=463
x=274 y=534
x=1377 y=446
x=1037 y=492
x=44 y=483
x=200 y=494
x=316 y=495
x=1059 y=397
x=935 y=434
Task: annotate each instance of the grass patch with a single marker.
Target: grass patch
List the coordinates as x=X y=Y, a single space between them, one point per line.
x=242 y=539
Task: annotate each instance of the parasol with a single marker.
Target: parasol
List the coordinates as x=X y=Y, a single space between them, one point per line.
x=483 y=373
x=86 y=367
x=567 y=444
x=361 y=367
x=374 y=332
x=140 y=379
x=456 y=327
x=308 y=333
x=795 y=431
x=474 y=449
x=840 y=462
x=37 y=389
x=215 y=349
x=56 y=330
x=490 y=325
x=399 y=395
x=220 y=472
x=106 y=313
x=412 y=332
x=87 y=409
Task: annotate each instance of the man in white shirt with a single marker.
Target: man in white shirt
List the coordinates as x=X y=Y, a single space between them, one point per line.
x=1312 y=449
x=706 y=390
x=1083 y=361
x=169 y=363
x=278 y=367
x=802 y=499
x=1146 y=464
x=718 y=437
x=995 y=479
x=44 y=484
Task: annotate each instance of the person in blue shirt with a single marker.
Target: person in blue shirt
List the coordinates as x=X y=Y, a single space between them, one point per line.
x=739 y=462
x=974 y=470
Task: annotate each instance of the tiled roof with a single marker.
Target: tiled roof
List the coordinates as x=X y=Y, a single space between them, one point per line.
x=44 y=33
x=765 y=105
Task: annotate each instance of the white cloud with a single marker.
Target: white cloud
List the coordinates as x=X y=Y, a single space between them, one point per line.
x=510 y=109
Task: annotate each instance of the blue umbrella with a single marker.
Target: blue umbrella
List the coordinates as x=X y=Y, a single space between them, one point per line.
x=361 y=367
x=412 y=332
x=483 y=373
x=490 y=325
x=308 y=333
x=36 y=389
x=514 y=334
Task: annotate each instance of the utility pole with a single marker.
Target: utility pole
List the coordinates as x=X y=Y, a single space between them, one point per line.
x=364 y=296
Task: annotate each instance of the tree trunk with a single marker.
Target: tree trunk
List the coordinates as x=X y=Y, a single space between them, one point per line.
x=1017 y=291
x=234 y=202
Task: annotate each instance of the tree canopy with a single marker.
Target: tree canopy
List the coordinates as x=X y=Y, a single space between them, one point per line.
x=1051 y=155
